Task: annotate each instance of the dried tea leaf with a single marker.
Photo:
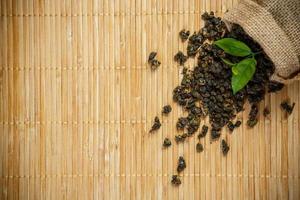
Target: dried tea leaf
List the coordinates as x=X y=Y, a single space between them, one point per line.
x=151 y=56
x=203 y=132
x=166 y=109
x=181 y=164
x=154 y=64
x=167 y=142
x=274 y=86
x=266 y=112
x=181 y=138
x=287 y=107
x=224 y=147
x=251 y=122
x=253 y=111
x=176 y=180
x=238 y=123
x=192 y=49
x=230 y=126
x=181 y=123
x=199 y=147
x=194 y=123
x=215 y=134
x=184 y=35
x=196 y=38
x=156 y=125
x=152 y=61
x=180 y=58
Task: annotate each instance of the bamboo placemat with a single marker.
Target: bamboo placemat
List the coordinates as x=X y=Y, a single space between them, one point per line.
x=77 y=100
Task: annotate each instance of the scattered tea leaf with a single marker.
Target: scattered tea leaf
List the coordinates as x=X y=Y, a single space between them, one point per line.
x=180 y=58
x=224 y=147
x=181 y=138
x=252 y=122
x=193 y=125
x=253 y=111
x=215 y=134
x=151 y=56
x=192 y=49
x=181 y=123
x=167 y=142
x=154 y=64
x=203 y=132
x=238 y=123
x=181 y=164
x=274 y=86
x=166 y=109
x=184 y=35
x=176 y=180
x=156 y=125
x=266 y=112
x=230 y=126
x=252 y=117
x=287 y=107
x=152 y=61
x=199 y=147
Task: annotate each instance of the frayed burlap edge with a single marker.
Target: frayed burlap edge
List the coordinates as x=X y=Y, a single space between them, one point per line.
x=261 y=26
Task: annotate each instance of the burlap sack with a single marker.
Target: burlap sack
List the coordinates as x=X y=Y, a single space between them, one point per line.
x=275 y=25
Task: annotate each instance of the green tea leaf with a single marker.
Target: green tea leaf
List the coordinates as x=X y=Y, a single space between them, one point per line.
x=233 y=47
x=245 y=70
x=227 y=62
x=234 y=70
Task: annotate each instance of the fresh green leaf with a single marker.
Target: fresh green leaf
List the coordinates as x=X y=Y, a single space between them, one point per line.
x=234 y=70
x=241 y=67
x=233 y=47
x=227 y=62
x=245 y=70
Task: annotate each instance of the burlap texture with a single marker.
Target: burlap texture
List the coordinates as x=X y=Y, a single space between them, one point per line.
x=275 y=25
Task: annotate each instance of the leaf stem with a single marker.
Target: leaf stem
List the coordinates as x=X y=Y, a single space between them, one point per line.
x=253 y=54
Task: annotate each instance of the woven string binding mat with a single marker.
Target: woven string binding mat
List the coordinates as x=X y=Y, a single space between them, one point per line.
x=77 y=100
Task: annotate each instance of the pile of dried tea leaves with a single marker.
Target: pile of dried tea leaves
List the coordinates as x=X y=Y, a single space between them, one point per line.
x=206 y=89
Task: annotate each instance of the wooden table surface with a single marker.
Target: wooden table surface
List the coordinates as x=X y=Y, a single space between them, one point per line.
x=77 y=100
